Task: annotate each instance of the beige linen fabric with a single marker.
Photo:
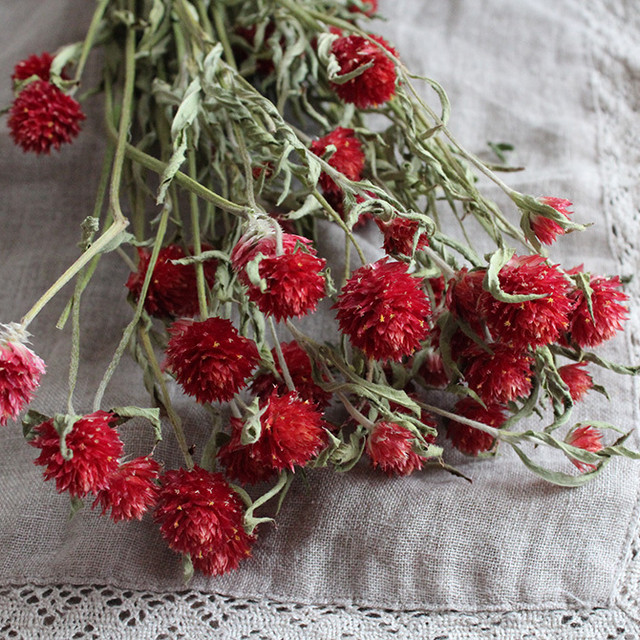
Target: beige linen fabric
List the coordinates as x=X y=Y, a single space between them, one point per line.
x=554 y=78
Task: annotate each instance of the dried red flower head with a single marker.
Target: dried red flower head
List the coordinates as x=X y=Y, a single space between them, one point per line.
x=370 y=8
x=210 y=359
x=348 y=157
x=433 y=372
x=294 y=282
x=292 y=433
x=172 y=291
x=399 y=235
x=463 y=295
x=33 y=66
x=201 y=515
x=437 y=288
x=20 y=371
x=383 y=310
x=468 y=439
x=500 y=376
x=299 y=367
x=95 y=446
x=374 y=86
x=536 y=322
x=42 y=117
x=390 y=447
x=587 y=438
x=577 y=378
x=545 y=229
x=609 y=312
x=132 y=489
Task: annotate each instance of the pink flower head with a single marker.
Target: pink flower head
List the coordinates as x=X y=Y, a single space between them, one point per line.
x=210 y=359
x=20 y=371
x=292 y=433
x=468 y=439
x=42 y=117
x=390 y=447
x=201 y=515
x=348 y=157
x=294 y=282
x=399 y=234
x=132 y=489
x=299 y=367
x=33 y=66
x=609 y=312
x=546 y=229
x=577 y=378
x=383 y=310
x=535 y=322
x=95 y=447
x=587 y=438
x=500 y=376
x=374 y=86
x=172 y=291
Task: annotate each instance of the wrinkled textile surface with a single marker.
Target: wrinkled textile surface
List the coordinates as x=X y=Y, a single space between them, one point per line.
x=353 y=556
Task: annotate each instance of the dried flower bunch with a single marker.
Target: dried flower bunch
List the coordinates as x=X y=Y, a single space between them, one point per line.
x=258 y=117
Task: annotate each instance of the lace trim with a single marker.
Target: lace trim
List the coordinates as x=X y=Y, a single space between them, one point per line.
x=95 y=612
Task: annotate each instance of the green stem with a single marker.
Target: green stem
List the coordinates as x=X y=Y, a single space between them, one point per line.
x=221 y=30
x=89 y=40
x=283 y=363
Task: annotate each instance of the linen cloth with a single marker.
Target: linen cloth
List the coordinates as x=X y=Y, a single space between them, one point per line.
x=354 y=555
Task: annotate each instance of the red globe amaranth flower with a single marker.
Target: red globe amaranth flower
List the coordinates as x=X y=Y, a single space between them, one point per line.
x=294 y=280
x=399 y=234
x=464 y=292
x=96 y=448
x=299 y=367
x=371 y=8
x=577 y=379
x=173 y=288
x=20 y=371
x=390 y=447
x=374 y=86
x=383 y=310
x=201 y=515
x=132 y=489
x=587 y=438
x=292 y=433
x=468 y=439
x=536 y=322
x=33 y=66
x=210 y=359
x=608 y=312
x=433 y=372
x=42 y=117
x=348 y=157
x=500 y=376
x=438 y=289
x=545 y=229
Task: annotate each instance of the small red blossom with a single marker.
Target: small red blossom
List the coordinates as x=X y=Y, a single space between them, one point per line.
x=390 y=447
x=500 y=376
x=577 y=379
x=210 y=359
x=43 y=117
x=433 y=372
x=294 y=282
x=375 y=85
x=33 y=66
x=370 y=8
x=609 y=312
x=201 y=515
x=20 y=372
x=383 y=310
x=545 y=229
x=587 y=438
x=438 y=289
x=299 y=367
x=399 y=236
x=132 y=489
x=463 y=295
x=292 y=433
x=95 y=447
x=535 y=322
x=173 y=290
x=348 y=157
x=468 y=439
